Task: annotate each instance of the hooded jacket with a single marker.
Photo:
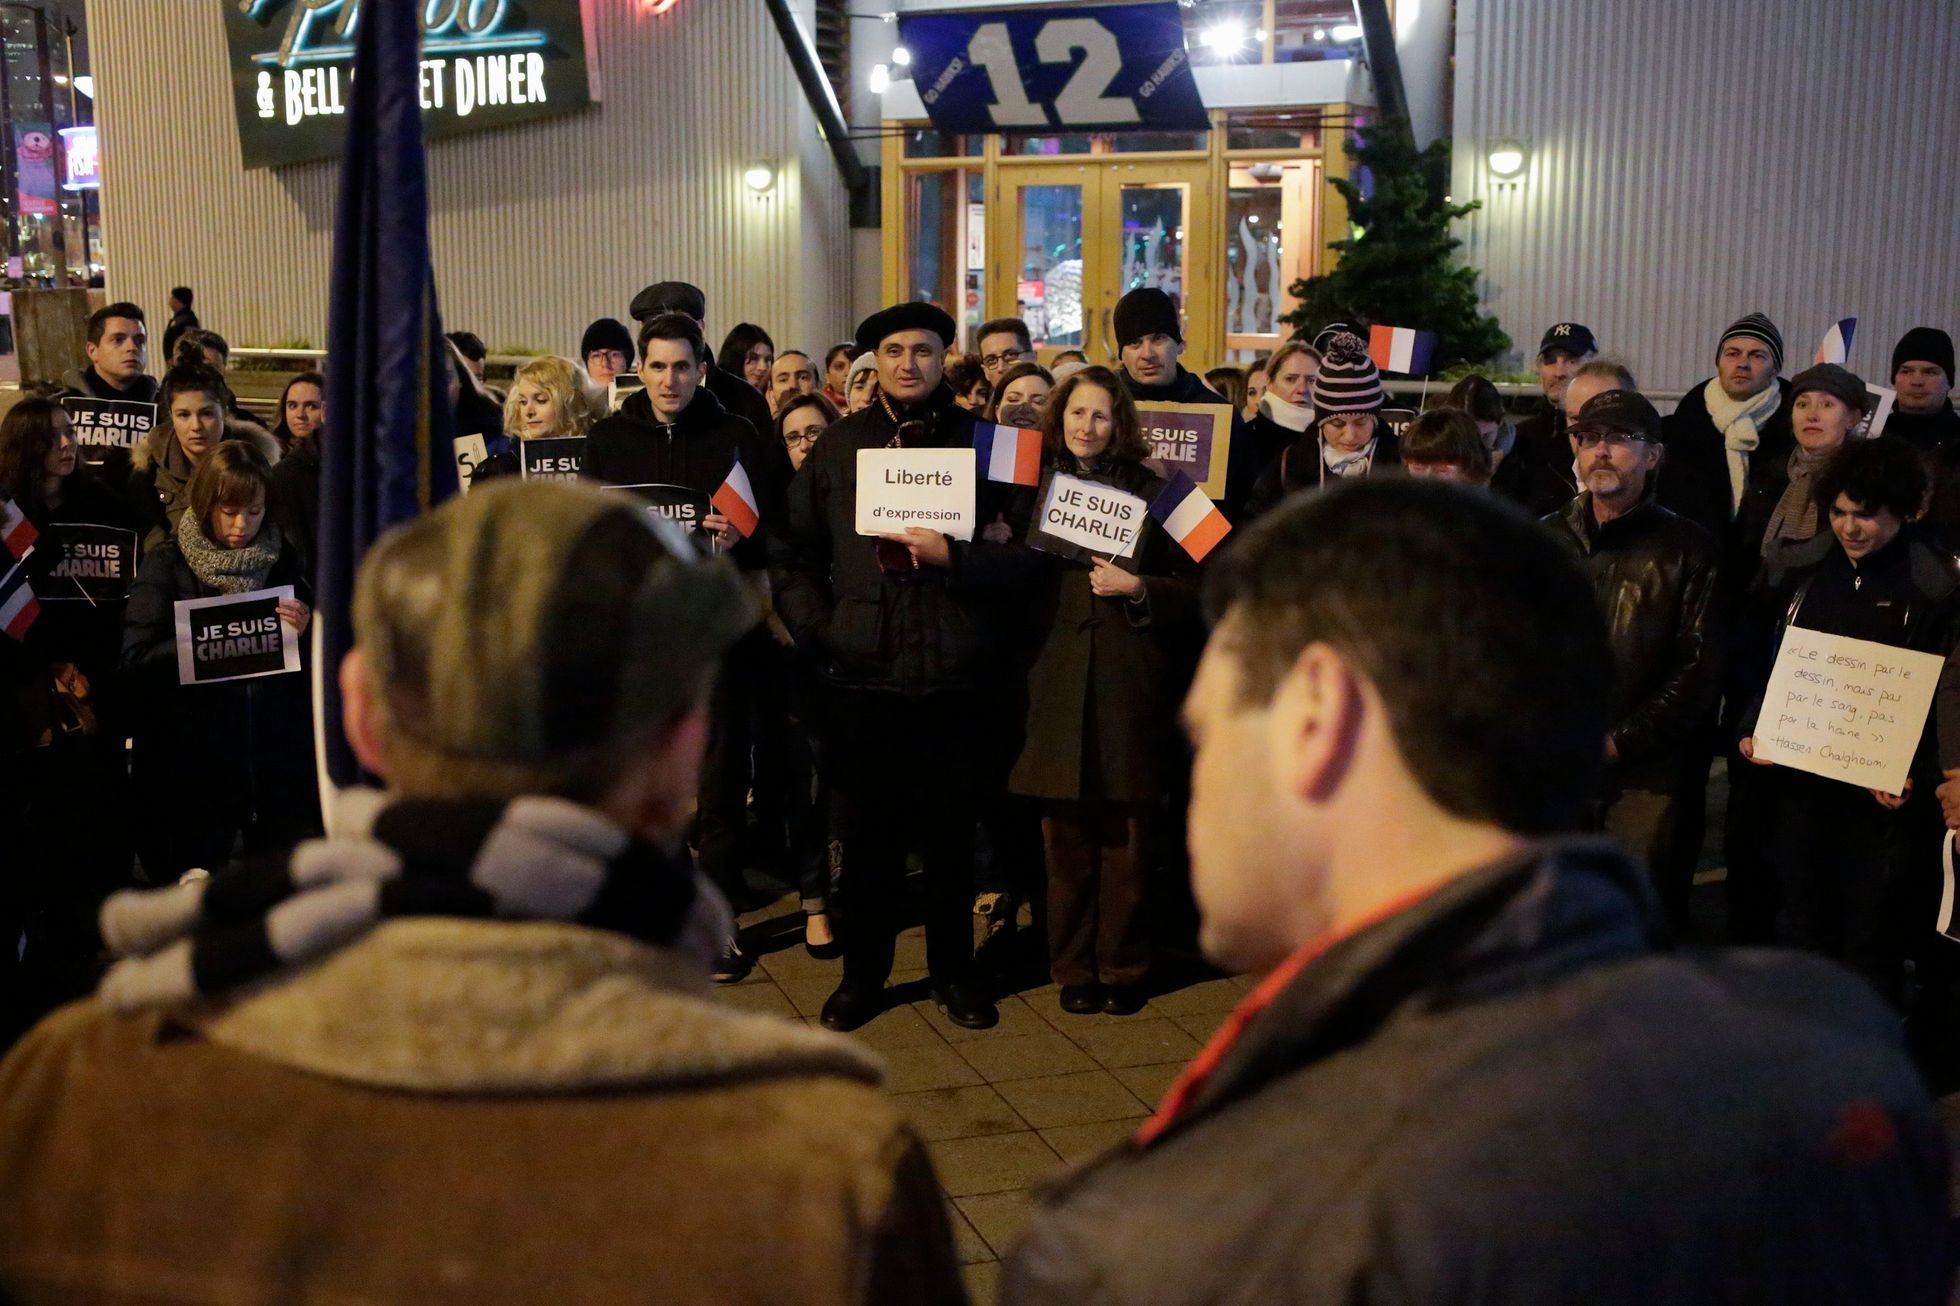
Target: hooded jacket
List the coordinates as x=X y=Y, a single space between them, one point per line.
x=696 y=452
x=918 y=631
x=1655 y=575
x=159 y=499
x=1517 y=1090
x=86 y=382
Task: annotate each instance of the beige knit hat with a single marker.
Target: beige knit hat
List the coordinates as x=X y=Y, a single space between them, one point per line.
x=530 y=621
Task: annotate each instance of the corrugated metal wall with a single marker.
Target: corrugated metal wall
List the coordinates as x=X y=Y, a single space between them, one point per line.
x=1691 y=162
x=537 y=228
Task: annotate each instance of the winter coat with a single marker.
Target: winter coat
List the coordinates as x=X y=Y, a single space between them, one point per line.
x=1526 y=478
x=1242 y=458
x=296 y=489
x=1518 y=1090
x=1694 y=475
x=179 y=323
x=247 y=743
x=1656 y=577
x=462 y=1111
x=911 y=631
x=156 y=507
x=1108 y=666
x=696 y=452
x=1300 y=466
x=1936 y=438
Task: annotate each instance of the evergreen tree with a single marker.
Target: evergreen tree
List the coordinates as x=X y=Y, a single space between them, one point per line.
x=1399 y=271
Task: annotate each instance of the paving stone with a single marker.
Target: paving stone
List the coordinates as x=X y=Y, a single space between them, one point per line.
x=897 y=1027
x=972 y=1112
x=982 y=1281
x=1202 y=1027
x=792 y=963
x=807 y=995
x=766 y=998
x=1080 y=1143
x=968 y=1245
x=1150 y=1083
x=1137 y=1043
x=1001 y=1218
x=1218 y=995
x=1024 y=1056
x=909 y=1070
x=1078 y=1099
x=1000 y=1164
x=1016 y=1018
x=909 y=951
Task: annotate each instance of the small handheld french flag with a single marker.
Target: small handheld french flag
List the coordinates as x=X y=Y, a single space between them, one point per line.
x=1836 y=343
x=1402 y=349
x=1189 y=517
x=18 y=606
x=16 y=532
x=1008 y=453
x=735 y=500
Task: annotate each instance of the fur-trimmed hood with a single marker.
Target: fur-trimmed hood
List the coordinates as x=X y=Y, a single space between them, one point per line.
x=148 y=451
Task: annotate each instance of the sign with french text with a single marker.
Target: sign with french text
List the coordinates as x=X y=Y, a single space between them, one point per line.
x=1846 y=709
x=556 y=459
x=93 y=563
x=105 y=424
x=1070 y=68
x=898 y=489
x=1195 y=439
x=1883 y=397
x=235 y=637
x=485 y=64
x=1078 y=517
x=685 y=507
x=470 y=453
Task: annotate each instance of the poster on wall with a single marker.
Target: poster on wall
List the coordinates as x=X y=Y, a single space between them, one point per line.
x=485 y=64
x=34 y=169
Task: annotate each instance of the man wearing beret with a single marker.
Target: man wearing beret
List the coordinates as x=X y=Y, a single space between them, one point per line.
x=1149 y=341
x=909 y=630
x=734 y=394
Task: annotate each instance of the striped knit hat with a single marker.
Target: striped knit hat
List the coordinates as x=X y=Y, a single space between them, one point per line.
x=1347 y=381
x=1756 y=327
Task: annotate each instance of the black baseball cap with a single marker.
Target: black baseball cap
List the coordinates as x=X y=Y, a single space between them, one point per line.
x=1570 y=337
x=1619 y=410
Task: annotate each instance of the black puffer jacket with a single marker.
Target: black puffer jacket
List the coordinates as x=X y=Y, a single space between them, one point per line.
x=1656 y=576
x=912 y=632
x=1694 y=478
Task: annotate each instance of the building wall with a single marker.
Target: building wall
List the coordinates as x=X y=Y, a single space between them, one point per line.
x=1690 y=163
x=537 y=229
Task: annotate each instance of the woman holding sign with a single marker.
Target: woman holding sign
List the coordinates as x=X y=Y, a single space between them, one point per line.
x=1103 y=692
x=224 y=704
x=1856 y=865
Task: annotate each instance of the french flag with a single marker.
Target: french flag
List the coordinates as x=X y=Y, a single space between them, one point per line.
x=1008 y=453
x=1402 y=349
x=735 y=500
x=16 y=532
x=1189 y=517
x=1836 y=344
x=18 y=607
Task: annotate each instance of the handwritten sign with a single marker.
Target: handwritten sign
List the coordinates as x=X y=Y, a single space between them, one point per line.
x=901 y=488
x=1846 y=709
x=1080 y=516
x=94 y=563
x=105 y=424
x=470 y=453
x=234 y=637
x=1195 y=439
x=557 y=459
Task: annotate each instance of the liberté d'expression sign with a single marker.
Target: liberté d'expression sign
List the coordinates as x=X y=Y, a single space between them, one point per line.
x=485 y=64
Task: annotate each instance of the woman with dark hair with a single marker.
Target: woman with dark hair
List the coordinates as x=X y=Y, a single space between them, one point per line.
x=200 y=348
x=64 y=713
x=1854 y=866
x=971 y=389
x=235 y=757
x=1101 y=742
x=1021 y=395
x=193 y=416
x=748 y=352
x=1443 y=443
x=1518 y=469
x=837 y=371
x=296 y=479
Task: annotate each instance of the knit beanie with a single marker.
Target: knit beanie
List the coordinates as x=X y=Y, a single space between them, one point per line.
x=1347 y=381
x=1146 y=311
x=529 y=622
x=865 y=362
x=1756 y=327
x=1833 y=380
x=1925 y=345
x=606 y=333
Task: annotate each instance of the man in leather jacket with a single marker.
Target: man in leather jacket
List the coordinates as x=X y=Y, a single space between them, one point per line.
x=1655 y=575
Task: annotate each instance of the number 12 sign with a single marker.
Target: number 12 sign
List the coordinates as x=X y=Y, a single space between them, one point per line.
x=1089 y=68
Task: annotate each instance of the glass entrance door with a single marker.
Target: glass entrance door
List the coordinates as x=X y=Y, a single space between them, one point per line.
x=1076 y=237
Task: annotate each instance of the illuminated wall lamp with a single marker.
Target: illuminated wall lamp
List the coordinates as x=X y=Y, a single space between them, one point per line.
x=760 y=176
x=1506 y=160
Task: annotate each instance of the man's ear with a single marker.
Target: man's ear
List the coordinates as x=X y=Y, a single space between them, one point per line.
x=1317 y=716
x=360 y=714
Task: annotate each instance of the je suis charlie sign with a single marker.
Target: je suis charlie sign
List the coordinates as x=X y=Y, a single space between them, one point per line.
x=485 y=64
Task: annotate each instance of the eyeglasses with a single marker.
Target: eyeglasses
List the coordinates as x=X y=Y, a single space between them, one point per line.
x=991 y=361
x=801 y=440
x=1588 y=437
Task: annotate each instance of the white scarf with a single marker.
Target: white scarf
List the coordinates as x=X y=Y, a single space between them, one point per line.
x=1294 y=417
x=1347 y=464
x=1741 y=423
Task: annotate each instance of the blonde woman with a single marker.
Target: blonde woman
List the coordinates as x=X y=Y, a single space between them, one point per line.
x=548 y=398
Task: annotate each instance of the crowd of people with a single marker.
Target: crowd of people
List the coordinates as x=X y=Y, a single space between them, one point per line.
x=915 y=727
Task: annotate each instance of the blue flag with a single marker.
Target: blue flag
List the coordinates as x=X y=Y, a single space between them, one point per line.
x=388 y=453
